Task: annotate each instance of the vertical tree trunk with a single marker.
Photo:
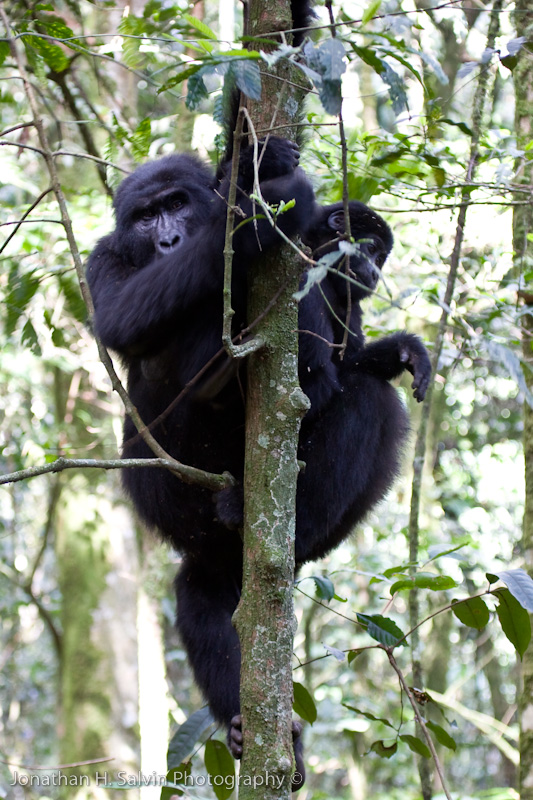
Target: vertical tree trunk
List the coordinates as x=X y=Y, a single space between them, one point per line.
x=98 y=710
x=523 y=255
x=275 y=406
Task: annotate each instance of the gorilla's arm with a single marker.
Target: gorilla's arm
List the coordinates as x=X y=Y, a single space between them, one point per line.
x=389 y=357
x=260 y=235
x=135 y=311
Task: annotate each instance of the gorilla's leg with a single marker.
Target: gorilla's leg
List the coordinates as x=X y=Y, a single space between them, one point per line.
x=207 y=597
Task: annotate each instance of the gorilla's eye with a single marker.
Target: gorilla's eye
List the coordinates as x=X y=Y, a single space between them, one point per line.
x=379 y=260
x=176 y=202
x=147 y=214
x=371 y=247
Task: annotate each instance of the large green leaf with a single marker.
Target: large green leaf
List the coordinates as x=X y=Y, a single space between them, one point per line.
x=416 y=745
x=442 y=736
x=247 y=77
x=514 y=620
x=382 y=629
x=200 y=26
x=303 y=703
x=325 y=67
x=220 y=766
x=21 y=287
x=186 y=737
x=472 y=612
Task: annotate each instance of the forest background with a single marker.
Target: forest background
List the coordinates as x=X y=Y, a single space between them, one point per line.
x=437 y=120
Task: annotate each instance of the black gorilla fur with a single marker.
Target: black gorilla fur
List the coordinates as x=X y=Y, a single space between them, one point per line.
x=157 y=288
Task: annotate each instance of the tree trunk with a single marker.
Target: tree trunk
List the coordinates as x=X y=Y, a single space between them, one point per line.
x=275 y=406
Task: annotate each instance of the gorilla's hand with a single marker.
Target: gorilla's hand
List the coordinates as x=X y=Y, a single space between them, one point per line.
x=276 y=157
x=229 y=505
x=414 y=356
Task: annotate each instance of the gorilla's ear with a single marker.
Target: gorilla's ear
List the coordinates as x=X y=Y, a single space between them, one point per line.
x=336 y=220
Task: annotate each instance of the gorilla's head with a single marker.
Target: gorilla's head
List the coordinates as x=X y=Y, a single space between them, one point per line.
x=161 y=205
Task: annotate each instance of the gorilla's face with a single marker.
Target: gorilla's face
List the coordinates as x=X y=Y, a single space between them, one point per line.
x=372 y=240
x=165 y=221
x=161 y=205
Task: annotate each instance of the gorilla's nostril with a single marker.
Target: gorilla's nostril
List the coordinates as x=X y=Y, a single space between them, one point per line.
x=166 y=244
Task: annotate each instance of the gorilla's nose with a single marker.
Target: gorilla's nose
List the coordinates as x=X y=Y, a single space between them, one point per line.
x=168 y=244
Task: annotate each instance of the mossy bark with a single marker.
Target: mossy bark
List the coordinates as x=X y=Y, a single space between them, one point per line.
x=275 y=406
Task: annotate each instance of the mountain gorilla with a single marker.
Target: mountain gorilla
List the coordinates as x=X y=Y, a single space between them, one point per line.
x=157 y=286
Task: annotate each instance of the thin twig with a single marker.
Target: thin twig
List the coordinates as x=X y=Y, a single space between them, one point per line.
x=345 y=202
x=26 y=214
x=186 y=473
x=419 y=719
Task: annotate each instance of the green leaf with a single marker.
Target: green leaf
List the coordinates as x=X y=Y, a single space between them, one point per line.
x=509 y=61
x=325 y=67
x=330 y=93
x=53 y=55
x=435 y=550
x=371 y=11
x=382 y=629
x=461 y=125
x=303 y=703
x=196 y=89
x=73 y=298
x=424 y=580
x=55 y=26
x=381 y=749
x=511 y=362
x=353 y=654
x=396 y=85
x=21 y=289
x=442 y=736
x=416 y=745
x=519 y=584
x=141 y=139
x=331 y=55
x=399 y=570
x=173 y=778
x=4 y=52
x=369 y=57
x=180 y=77
x=439 y=175
x=220 y=767
x=472 y=612
x=204 y=29
x=514 y=620
x=324 y=588
x=247 y=77
x=29 y=339
x=184 y=740
x=369 y=716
